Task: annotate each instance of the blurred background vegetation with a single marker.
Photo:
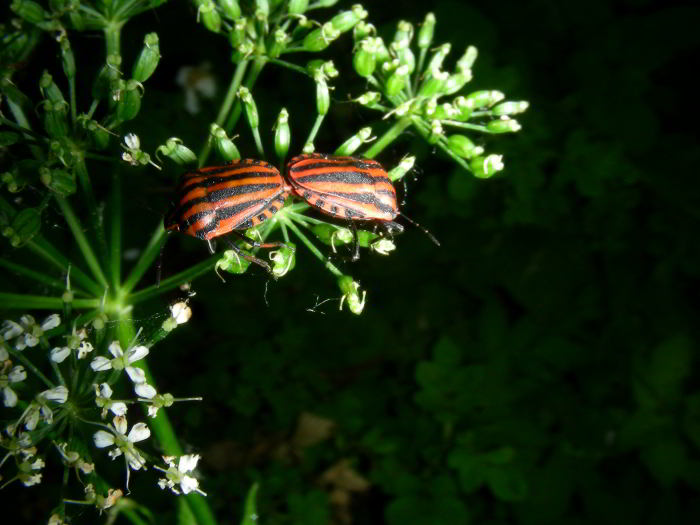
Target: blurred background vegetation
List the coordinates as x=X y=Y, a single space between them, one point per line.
x=537 y=368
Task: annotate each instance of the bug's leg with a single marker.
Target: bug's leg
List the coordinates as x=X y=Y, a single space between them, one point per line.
x=212 y=246
x=256 y=244
x=356 y=242
x=246 y=256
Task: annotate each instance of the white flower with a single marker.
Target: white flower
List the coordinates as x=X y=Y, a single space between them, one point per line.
x=73 y=459
x=28 y=471
x=16 y=375
x=10 y=329
x=145 y=390
x=58 y=394
x=132 y=141
x=181 y=312
x=196 y=80
x=50 y=322
x=123 y=442
x=103 y=394
x=59 y=354
x=84 y=348
x=39 y=409
x=178 y=475
x=122 y=361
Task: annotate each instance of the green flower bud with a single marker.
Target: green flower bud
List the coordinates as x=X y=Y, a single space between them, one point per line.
x=55 y=119
x=59 y=181
x=362 y=30
x=129 y=100
x=224 y=145
x=365 y=58
x=251 y=110
x=176 y=151
x=484 y=168
x=263 y=7
x=25 y=225
x=323 y=98
x=369 y=99
x=351 y=293
x=308 y=148
x=438 y=58
x=404 y=32
x=283 y=260
x=282 y=134
x=351 y=145
x=29 y=11
x=481 y=99
x=108 y=74
x=382 y=52
x=436 y=131
x=404 y=167
x=457 y=81
x=147 y=61
x=427 y=30
x=346 y=20
x=467 y=60
x=230 y=8
x=503 y=125
x=464 y=108
x=463 y=147
x=510 y=108
x=298 y=7
x=50 y=90
x=237 y=35
x=277 y=42
x=230 y=262
x=405 y=55
x=331 y=235
x=243 y=51
x=320 y=39
x=209 y=15
x=445 y=111
x=397 y=81
x=67 y=58
x=434 y=84
x=382 y=246
x=430 y=108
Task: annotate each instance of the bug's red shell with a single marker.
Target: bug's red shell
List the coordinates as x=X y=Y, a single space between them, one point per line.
x=346 y=187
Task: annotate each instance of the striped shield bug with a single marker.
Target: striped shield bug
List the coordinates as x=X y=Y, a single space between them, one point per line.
x=217 y=200
x=350 y=188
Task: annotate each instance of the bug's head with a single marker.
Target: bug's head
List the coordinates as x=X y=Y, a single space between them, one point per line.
x=171 y=222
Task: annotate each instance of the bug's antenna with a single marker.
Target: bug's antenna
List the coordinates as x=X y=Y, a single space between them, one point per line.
x=424 y=230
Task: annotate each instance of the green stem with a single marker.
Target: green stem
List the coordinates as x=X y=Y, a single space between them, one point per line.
x=31 y=274
x=112 y=37
x=163 y=430
x=174 y=281
x=425 y=132
x=289 y=65
x=419 y=67
x=314 y=130
x=466 y=125
x=252 y=76
x=21 y=119
x=389 y=136
x=116 y=233
x=147 y=257
x=27 y=363
x=225 y=108
x=73 y=103
x=258 y=142
x=334 y=269
x=94 y=216
x=16 y=301
x=42 y=248
x=81 y=240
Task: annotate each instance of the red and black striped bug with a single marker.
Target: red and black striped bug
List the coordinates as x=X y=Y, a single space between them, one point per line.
x=217 y=200
x=350 y=188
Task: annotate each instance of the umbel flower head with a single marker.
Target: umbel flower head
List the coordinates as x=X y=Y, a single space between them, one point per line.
x=179 y=474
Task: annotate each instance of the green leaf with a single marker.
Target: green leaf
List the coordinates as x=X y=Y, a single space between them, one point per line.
x=250 y=514
x=507 y=483
x=446 y=352
x=184 y=514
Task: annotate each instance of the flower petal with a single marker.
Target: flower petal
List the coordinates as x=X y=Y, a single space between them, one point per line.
x=120 y=424
x=118 y=408
x=139 y=432
x=136 y=374
x=100 y=364
x=59 y=354
x=145 y=390
x=10 y=397
x=10 y=329
x=137 y=352
x=17 y=374
x=105 y=390
x=188 y=462
x=188 y=484
x=103 y=439
x=58 y=394
x=31 y=340
x=51 y=321
x=115 y=349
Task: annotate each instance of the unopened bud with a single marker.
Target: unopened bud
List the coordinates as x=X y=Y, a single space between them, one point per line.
x=425 y=35
x=466 y=61
x=485 y=98
x=282 y=134
x=319 y=39
x=351 y=293
x=283 y=259
x=251 y=109
x=346 y=20
x=176 y=151
x=404 y=167
x=297 y=7
x=230 y=9
x=224 y=145
x=485 y=167
x=209 y=16
x=351 y=145
x=148 y=60
x=510 y=108
x=463 y=147
x=503 y=125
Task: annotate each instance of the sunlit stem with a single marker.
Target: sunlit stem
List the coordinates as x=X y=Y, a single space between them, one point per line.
x=289 y=65
x=174 y=281
x=148 y=255
x=387 y=138
x=425 y=132
x=334 y=269
x=252 y=77
x=314 y=130
x=116 y=230
x=258 y=142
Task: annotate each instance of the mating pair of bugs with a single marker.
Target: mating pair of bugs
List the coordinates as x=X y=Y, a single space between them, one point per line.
x=217 y=200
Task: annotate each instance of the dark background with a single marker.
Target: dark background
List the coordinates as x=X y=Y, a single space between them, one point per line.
x=539 y=367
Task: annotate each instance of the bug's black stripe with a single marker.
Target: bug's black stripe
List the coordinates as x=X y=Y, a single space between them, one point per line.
x=364 y=198
x=211 y=181
x=241 y=189
x=194 y=218
x=330 y=163
x=232 y=211
x=202 y=232
x=347 y=177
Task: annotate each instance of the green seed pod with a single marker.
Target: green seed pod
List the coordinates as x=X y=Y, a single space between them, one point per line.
x=323 y=98
x=369 y=99
x=510 y=108
x=176 y=151
x=427 y=30
x=481 y=99
x=108 y=74
x=464 y=108
x=224 y=145
x=365 y=58
x=404 y=32
x=319 y=39
x=282 y=134
x=351 y=145
x=362 y=30
x=405 y=55
x=346 y=20
x=298 y=7
x=463 y=146
x=434 y=84
x=230 y=9
x=55 y=119
x=129 y=103
x=438 y=58
x=29 y=11
x=25 y=225
x=237 y=35
x=466 y=61
x=397 y=81
x=251 y=110
x=485 y=167
x=230 y=262
x=209 y=16
x=404 y=167
x=457 y=81
x=263 y=7
x=59 y=181
x=277 y=42
x=50 y=90
x=67 y=58
x=283 y=260
x=351 y=293
x=503 y=125
x=148 y=59
x=332 y=235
